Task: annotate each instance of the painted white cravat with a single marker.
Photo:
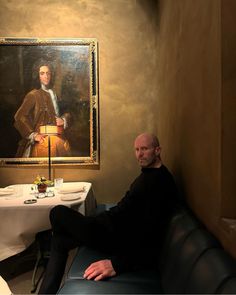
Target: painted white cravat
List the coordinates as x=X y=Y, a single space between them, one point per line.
x=53 y=98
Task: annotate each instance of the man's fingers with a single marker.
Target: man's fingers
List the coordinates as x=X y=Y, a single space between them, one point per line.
x=99 y=270
x=91 y=275
x=98 y=278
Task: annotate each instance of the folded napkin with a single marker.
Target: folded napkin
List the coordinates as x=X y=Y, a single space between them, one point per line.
x=6 y=191
x=70 y=189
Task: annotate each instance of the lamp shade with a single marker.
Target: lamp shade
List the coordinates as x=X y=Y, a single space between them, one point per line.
x=48 y=129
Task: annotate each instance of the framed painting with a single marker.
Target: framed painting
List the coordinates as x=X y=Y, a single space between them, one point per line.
x=49 y=101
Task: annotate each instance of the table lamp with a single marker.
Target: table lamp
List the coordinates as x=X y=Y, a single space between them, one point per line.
x=49 y=130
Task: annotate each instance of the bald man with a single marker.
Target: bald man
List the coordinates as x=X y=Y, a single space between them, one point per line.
x=128 y=232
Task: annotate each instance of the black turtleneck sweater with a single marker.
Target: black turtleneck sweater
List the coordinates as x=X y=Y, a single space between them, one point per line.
x=138 y=222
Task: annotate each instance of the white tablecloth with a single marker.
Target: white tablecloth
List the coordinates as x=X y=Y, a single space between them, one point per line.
x=20 y=222
x=4 y=288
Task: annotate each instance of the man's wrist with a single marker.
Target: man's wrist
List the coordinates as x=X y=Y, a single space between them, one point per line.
x=32 y=136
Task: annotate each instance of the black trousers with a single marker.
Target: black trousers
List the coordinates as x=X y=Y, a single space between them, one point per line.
x=71 y=229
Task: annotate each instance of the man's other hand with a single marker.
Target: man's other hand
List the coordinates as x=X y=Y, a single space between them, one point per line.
x=59 y=121
x=99 y=270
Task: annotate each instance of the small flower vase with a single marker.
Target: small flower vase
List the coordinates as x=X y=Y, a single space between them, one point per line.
x=42 y=187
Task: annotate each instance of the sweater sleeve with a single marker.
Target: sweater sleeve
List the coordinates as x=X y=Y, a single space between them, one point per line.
x=144 y=258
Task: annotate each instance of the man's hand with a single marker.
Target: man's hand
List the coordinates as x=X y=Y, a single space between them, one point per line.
x=59 y=121
x=39 y=138
x=99 y=270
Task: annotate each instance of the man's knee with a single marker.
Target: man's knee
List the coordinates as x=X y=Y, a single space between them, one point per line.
x=57 y=212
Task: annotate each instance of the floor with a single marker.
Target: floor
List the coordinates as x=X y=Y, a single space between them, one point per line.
x=21 y=284
x=17 y=271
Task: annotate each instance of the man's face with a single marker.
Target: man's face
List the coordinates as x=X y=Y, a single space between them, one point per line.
x=44 y=75
x=146 y=154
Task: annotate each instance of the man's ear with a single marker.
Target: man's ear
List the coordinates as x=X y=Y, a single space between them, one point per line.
x=158 y=151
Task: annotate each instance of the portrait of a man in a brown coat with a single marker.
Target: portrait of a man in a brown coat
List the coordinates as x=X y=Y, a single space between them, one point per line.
x=41 y=107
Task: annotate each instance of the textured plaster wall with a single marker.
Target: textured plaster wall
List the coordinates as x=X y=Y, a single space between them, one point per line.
x=196 y=106
x=228 y=208
x=189 y=99
x=126 y=35
x=228 y=108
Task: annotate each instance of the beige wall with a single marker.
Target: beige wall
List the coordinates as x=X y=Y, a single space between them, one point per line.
x=189 y=97
x=228 y=208
x=127 y=79
x=228 y=108
x=196 y=106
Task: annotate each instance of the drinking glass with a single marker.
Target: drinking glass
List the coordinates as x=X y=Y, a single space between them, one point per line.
x=58 y=182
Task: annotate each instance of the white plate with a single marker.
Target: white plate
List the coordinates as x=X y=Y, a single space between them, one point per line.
x=6 y=191
x=70 y=197
x=70 y=190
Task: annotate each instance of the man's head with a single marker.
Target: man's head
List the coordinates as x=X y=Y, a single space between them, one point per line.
x=45 y=75
x=147 y=151
x=42 y=73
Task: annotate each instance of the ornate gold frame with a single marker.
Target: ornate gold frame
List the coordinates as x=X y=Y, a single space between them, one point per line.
x=80 y=58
